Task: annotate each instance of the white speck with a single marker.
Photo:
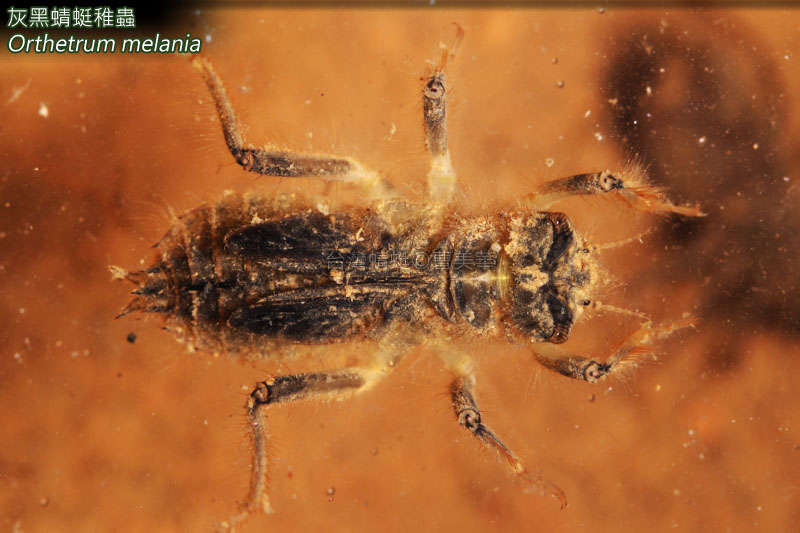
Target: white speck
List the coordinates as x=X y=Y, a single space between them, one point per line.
x=16 y=92
x=549 y=162
x=658 y=388
x=22 y=310
x=18 y=357
x=577 y=426
x=208 y=37
x=610 y=389
x=310 y=134
x=701 y=456
x=308 y=102
x=755 y=146
x=733 y=420
x=392 y=131
x=205 y=421
x=648 y=90
x=786 y=179
x=702 y=140
x=598 y=136
x=43 y=111
x=662 y=70
x=786 y=57
x=691 y=432
x=588 y=112
x=560 y=84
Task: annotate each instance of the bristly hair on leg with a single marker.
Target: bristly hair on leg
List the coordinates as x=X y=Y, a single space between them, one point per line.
x=641 y=195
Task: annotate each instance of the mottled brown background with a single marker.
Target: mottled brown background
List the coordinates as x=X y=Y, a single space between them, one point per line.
x=100 y=434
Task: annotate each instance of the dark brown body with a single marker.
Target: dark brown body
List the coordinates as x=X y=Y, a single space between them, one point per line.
x=248 y=271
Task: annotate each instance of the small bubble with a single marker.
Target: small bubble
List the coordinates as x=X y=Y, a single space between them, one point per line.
x=549 y=162
x=598 y=136
x=44 y=112
x=560 y=84
x=702 y=140
x=786 y=179
x=648 y=90
x=755 y=146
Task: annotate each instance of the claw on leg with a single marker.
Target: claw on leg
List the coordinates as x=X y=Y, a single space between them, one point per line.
x=629 y=185
x=627 y=356
x=469 y=416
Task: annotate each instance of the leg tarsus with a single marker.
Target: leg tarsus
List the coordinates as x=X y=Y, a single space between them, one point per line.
x=629 y=185
x=284 y=389
x=626 y=356
x=276 y=163
x=469 y=416
x=441 y=176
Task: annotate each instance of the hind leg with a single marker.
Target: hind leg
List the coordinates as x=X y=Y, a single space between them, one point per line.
x=278 y=163
x=336 y=385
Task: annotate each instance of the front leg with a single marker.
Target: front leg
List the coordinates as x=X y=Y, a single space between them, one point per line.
x=469 y=416
x=628 y=185
x=625 y=358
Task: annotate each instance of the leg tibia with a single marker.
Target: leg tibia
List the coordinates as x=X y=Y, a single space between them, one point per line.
x=627 y=356
x=469 y=416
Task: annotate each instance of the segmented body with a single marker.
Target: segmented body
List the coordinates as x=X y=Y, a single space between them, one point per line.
x=248 y=271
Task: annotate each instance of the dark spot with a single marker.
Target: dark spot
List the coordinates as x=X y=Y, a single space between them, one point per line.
x=131 y=338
